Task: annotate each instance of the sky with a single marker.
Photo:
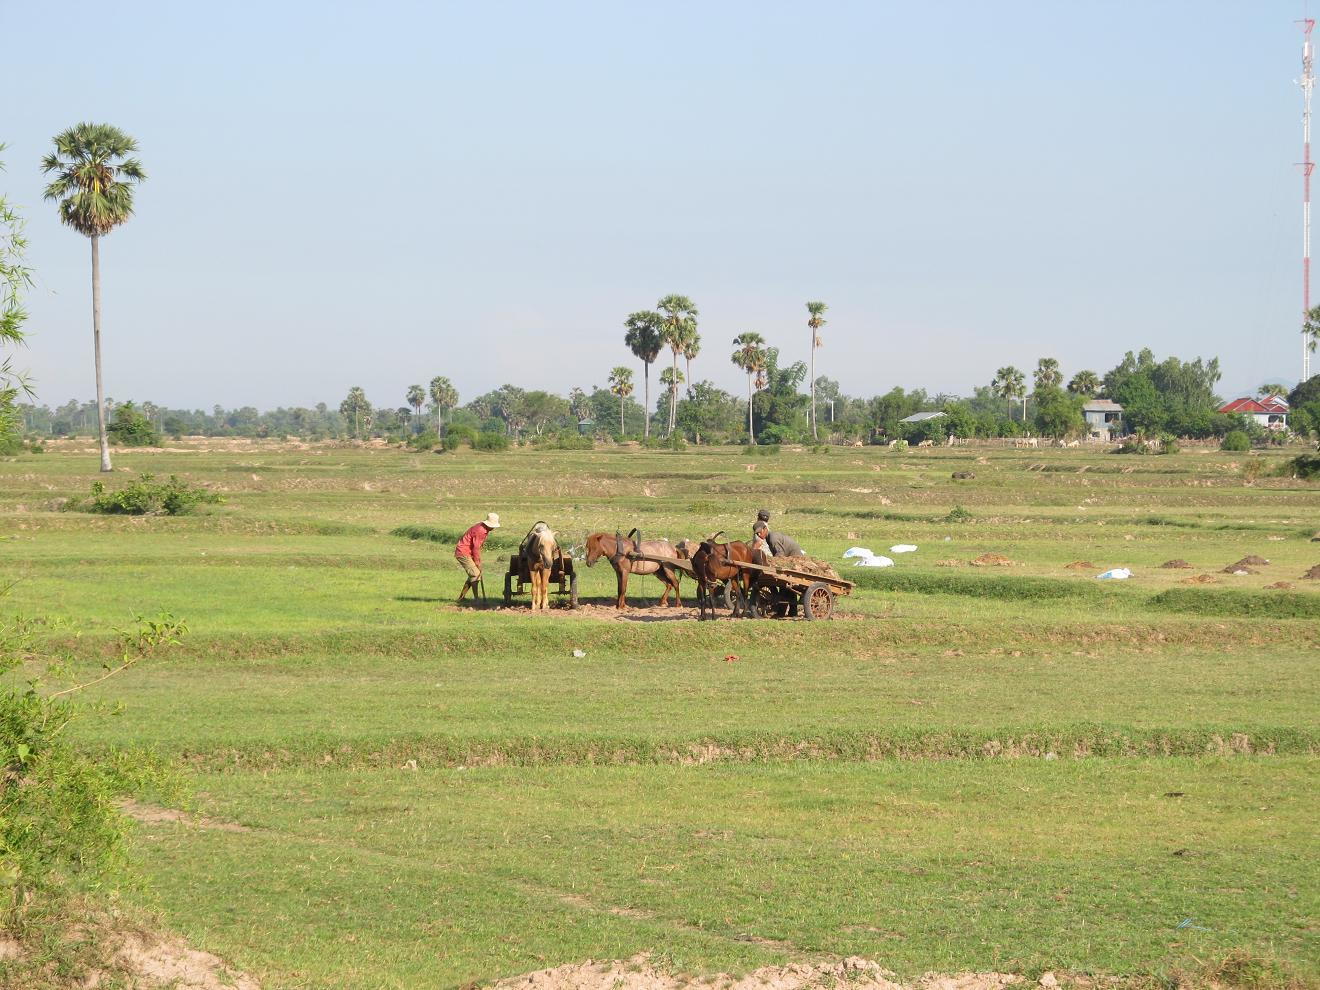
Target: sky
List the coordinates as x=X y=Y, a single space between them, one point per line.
x=374 y=194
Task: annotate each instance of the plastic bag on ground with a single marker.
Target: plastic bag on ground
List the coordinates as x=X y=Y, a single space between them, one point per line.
x=902 y=548
x=858 y=552
x=1117 y=574
x=874 y=561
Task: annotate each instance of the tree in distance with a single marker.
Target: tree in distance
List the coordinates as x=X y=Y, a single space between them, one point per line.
x=356 y=408
x=93 y=184
x=1011 y=384
x=750 y=357
x=416 y=396
x=642 y=337
x=1272 y=390
x=621 y=384
x=815 y=321
x=691 y=348
x=671 y=378
x=1085 y=383
x=1047 y=375
x=1311 y=328
x=443 y=396
x=678 y=329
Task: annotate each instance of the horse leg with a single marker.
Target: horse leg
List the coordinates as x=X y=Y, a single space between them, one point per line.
x=623 y=587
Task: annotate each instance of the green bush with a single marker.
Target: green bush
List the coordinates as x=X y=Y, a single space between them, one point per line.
x=1305 y=466
x=148 y=497
x=58 y=807
x=959 y=515
x=765 y=450
x=492 y=442
x=426 y=440
x=1169 y=444
x=129 y=428
x=1235 y=440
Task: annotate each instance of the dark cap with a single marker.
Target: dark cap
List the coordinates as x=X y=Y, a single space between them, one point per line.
x=763 y=515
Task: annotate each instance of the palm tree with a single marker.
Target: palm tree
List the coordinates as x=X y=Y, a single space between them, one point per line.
x=678 y=330
x=750 y=357
x=1011 y=384
x=93 y=183
x=1047 y=374
x=416 y=396
x=443 y=396
x=691 y=349
x=1311 y=328
x=1273 y=390
x=1085 y=383
x=816 y=321
x=642 y=337
x=621 y=384
x=356 y=407
x=671 y=378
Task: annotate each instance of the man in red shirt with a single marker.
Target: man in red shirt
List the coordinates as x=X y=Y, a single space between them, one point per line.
x=468 y=552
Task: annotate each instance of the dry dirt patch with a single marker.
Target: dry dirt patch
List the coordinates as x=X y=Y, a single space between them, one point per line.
x=1199 y=579
x=1177 y=564
x=991 y=560
x=855 y=973
x=150 y=814
x=167 y=961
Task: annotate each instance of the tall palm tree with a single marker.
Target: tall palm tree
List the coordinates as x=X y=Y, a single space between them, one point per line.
x=750 y=357
x=93 y=184
x=621 y=384
x=691 y=348
x=443 y=396
x=642 y=337
x=1047 y=374
x=815 y=322
x=1011 y=384
x=1311 y=328
x=1272 y=390
x=416 y=396
x=356 y=407
x=1085 y=383
x=671 y=378
x=678 y=330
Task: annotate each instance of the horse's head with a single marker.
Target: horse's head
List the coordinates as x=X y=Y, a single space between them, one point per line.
x=595 y=549
x=685 y=548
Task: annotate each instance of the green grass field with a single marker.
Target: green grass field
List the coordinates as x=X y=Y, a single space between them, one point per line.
x=1016 y=768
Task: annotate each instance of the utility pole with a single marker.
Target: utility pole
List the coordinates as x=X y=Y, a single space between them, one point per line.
x=1307 y=82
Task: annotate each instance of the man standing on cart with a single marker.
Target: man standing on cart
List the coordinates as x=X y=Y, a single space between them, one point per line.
x=468 y=553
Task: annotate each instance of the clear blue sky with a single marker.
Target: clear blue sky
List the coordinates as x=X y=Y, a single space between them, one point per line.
x=373 y=194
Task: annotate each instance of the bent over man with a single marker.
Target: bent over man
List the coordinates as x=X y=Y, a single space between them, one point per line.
x=778 y=544
x=468 y=552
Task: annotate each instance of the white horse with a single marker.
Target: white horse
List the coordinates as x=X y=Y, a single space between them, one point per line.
x=539 y=551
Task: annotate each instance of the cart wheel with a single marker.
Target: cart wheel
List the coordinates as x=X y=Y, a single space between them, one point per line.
x=817 y=602
x=508 y=589
x=763 y=602
x=572 y=591
x=726 y=595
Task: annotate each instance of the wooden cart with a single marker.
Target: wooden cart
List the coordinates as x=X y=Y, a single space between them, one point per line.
x=561 y=573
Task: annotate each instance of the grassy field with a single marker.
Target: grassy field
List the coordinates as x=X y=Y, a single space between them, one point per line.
x=1013 y=767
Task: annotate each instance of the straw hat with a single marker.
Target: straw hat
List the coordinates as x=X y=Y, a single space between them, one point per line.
x=492 y=521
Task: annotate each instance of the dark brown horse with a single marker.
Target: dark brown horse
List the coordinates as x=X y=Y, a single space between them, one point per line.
x=715 y=562
x=616 y=548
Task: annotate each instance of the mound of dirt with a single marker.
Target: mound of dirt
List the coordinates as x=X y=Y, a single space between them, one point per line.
x=638 y=974
x=1080 y=565
x=1279 y=586
x=963 y=475
x=1177 y=564
x=1199 y=579
x=1251 y=561
x=1239 y=569
x=1313 y=574
x=167 y=961
x=991 y=560
x=951 y=562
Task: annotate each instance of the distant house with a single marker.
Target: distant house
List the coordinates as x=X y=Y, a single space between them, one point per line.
x=921 y=417
x=1270 y=412
x=1103 y=419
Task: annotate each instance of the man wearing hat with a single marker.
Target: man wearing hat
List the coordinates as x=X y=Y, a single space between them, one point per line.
x=468 y=552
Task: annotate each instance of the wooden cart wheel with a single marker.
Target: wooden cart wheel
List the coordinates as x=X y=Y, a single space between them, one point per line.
x=508 y=589
x=817 y=602
x=726 y=595
x=572 y=590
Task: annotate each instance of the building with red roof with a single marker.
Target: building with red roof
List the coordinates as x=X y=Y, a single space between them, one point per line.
x=1270 y=412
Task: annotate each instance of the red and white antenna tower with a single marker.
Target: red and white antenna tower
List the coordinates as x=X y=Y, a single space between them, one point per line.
x=1307 y=82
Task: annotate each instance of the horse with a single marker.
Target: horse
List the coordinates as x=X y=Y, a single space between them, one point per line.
x=715 y=562
x=538 y=553
x=617 y=548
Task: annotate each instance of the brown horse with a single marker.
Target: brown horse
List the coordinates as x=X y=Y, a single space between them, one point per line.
x=616 y=548
x=538 y=553
x=715 y=562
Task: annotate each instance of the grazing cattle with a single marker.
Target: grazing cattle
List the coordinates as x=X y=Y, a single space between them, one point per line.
x=616 y=548
x=715 y=562
x=538 y=552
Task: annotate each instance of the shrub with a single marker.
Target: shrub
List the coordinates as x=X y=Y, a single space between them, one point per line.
x=765 y=450
x=130 y=428
x=148 y=497
x=899 y=444
x=58 y=812
x=426 y=440
x=1168 y=444
x=1305 y=466
x=492 y=442
x=958 y=515
x=1235 y=440
x=451 y=443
